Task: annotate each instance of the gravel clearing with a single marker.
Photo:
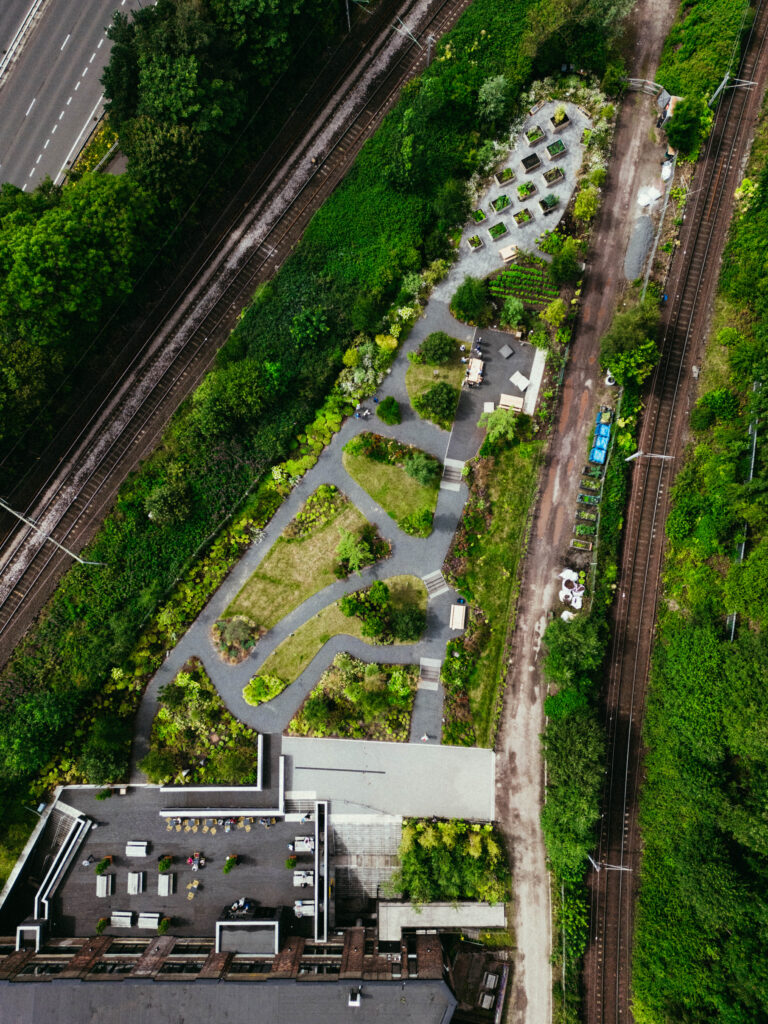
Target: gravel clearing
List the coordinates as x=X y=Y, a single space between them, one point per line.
x=637 y=250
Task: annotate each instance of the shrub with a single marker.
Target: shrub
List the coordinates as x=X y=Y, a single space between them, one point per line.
x=422 y=467
x=263 y=688
x=418 y=524
x=229 y=863
x=470 y=302
x=586 y=204
x=101 y=924
x=290 y=862
x=104 y=794
x=102 y=866
x=689 y=124
x=437 y=348
x=163 y=925
x=388 y=410
x=512 y=312
x=158 y=766
x=164 y=864
x=564 y=267
x=407 y=623
x=438 y=403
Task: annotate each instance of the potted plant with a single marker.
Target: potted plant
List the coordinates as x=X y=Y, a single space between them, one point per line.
x=230 y=863
x=290 y=862
x=101 y=924
x=163 y=925
x=560 y=118
x=164 y=862
x=102 y=866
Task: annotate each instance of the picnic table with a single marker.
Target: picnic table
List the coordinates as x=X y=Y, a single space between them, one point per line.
x=475 y=371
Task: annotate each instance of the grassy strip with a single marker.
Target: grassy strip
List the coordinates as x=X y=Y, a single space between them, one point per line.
x=419 y=378
x=483 y=564
x=700 y=46
x=402 y=498
x=18 y=824
x=296 y=567
x=355 y=700
x=292 y=656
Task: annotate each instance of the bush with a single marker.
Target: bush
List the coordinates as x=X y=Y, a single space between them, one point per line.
x=470 y=302
x=229 y=864
x=422 y=467
x=102 y=866
x=512 y=312
x=163 y=925
x=689 y=124
x=388 y=410
x=101 y=924
x=164 y=864
x=407 y=624
x=263 y=688
x=437 y=348
x=290 y=862
x=587 y=202
x=564 y=268
x=438 y=404
x=418 y=524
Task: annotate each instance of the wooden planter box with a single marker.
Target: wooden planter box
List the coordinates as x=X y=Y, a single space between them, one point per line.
x=505 y=176
x=535 y=135
x=553 y=175
x=547 y=208
x=531 y=191
x=500 y=208
x=559 y=127
x=556 y=149
x=475 y=242
x=531 y=162
x=497 y=231
x=523 y=217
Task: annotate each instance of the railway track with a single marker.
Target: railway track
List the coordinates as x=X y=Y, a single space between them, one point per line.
x=283 y=193
x=691 y=290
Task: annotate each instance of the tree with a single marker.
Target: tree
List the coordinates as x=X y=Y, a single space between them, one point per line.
x=168 y=501
x=388 y=410
x=309 y=325
x=104 y=757
x=555 y=313
x=746 y=586
x=353 y=550
x=564 y=267
x=158 y=766
x=451 y=203
x=438 y=403
x=502 y=428
x=493 y=100
x=407 y=624
x=630 y=330
x=586 y=204
x=512 y=312
x=437 y=348
x=689 y=124
x=470 y=302
x=422 y=467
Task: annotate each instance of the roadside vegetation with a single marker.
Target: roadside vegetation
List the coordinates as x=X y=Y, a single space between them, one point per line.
x=403 y=480
x=334 y=313
x=195 y=739
x=313 y=551
x=701 y=925
x=360 y=701
x=389 y=611
x=450 y=861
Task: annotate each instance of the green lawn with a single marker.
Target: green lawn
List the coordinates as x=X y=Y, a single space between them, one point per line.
x=356 y=700
x=390 y=486
x=487 y=571
x=421 y=377
x=292 y=656
x=18 y=823
x=294 y=570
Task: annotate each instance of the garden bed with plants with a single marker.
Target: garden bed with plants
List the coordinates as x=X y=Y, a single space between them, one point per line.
x=356 y=700
x=193 y=733
x=548 y=204
x=475 y=242
x=500 y=203
x=498 y=230
x=531 y=162
x=559 y=119
x=553 y=175
x=388 y=612
x=534 y=135
x=478 y=216
x=525 y=190
x=523 y=217
x=483 y=564
x=531 y=284
x=556 y=148
x=505 y=175
x=234 y=638
x=309 y=555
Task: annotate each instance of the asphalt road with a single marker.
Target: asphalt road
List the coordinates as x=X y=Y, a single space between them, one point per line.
x=51 y=94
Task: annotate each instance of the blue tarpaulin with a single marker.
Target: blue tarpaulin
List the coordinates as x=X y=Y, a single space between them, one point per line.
x=598 y=455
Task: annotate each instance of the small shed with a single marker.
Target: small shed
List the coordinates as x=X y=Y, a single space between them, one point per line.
x=166 y=883
x=458 y=616
x=105 y=885
x=136 y=848
x=135 y=882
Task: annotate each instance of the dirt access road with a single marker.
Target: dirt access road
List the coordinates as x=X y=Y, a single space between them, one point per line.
x=520 y=767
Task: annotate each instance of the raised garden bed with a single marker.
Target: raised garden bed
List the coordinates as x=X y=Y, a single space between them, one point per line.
x=589 y=484
x=593 y=471
x=536 y=134
x=475 y=242
x=590 y=517
x=556 y=149
x=581 y=545
x=523 y=217
x=498 y=230
x=588 y=499
x=531 y=284
x=526 y=190
x=585 y=529
x=548 y=204
x=531 y=162
x=559 y=125
x=553 y=175
x=500 y=203
x=505 y=175
x=478 y=216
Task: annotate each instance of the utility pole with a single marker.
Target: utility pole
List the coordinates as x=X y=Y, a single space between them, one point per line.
x=430 y=45
x=646 y=455
x=349 y=19
x=405 y=31
x=608 y=867
x=736 y=83
x=33 y=525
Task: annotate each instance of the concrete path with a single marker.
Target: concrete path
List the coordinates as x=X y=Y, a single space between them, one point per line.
x=410 y=555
